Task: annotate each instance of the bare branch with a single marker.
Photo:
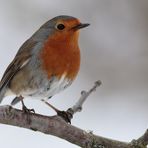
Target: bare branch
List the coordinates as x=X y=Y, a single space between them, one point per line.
x=84 y=95
x=56 y=126
x=141 y=142
x=78 y=105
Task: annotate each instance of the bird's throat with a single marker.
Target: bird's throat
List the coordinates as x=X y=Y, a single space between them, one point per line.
x=59 y=57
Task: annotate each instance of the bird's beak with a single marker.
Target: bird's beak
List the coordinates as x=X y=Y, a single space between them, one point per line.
x=80 y=26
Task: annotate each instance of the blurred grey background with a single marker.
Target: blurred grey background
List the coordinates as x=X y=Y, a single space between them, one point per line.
x=114 y=49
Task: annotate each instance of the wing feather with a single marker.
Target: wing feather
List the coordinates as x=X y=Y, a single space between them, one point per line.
x=21 y=59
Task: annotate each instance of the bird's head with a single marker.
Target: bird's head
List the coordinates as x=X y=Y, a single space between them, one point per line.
x=61 y=28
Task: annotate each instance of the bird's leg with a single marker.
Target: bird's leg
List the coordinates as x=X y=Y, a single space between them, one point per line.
x=51 y=106
x=67 y=116
x=24 y=108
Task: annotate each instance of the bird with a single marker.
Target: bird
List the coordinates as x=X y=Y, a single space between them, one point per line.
x=46 y=64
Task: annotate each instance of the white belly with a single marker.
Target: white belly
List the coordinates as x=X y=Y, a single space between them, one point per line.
x=48 y=89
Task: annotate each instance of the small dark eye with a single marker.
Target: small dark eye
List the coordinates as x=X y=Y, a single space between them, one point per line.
x=60 y=26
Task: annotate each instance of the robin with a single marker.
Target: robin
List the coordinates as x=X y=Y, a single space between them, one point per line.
x=46 y=63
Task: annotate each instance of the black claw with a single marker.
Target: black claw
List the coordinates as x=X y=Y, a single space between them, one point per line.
x=26 y=110
x=65 y=115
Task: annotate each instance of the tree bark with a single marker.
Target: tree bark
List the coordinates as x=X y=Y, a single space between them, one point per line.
x=55 y=125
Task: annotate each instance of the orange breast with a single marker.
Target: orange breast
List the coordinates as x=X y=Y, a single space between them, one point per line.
x=61 y=55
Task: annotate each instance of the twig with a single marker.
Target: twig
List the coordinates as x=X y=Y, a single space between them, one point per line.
x=56 y=126
x=78 y=105
x=84 y=95
x=141 y=142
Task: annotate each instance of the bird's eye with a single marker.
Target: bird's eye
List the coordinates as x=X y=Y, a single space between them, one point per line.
x=60 y=27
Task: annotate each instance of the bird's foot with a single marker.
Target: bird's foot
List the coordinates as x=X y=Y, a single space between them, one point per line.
x=66 y=115
x=26 y=110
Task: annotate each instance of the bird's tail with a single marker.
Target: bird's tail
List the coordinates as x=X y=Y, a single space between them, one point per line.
x=2 y=93
x=15 y=101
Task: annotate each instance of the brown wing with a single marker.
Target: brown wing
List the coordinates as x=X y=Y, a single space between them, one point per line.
x=22 y=57
x=12 y=69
